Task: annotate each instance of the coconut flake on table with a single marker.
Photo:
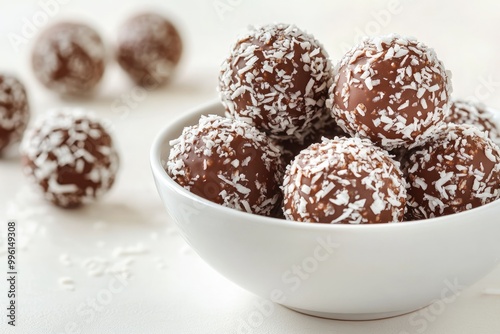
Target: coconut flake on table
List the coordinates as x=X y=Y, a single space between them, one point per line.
x=67 y=283
x=137 y=249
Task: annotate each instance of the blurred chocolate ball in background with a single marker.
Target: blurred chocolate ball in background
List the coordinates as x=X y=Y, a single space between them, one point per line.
x=149 y=49
x=14 y=110
x=69 y=58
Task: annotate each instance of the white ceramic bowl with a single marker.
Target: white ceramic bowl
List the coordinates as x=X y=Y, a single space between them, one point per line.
x=334 y=271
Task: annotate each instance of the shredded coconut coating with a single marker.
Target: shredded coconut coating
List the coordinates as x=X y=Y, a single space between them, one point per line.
x=322 y=127
x=392 y=90
x=228 y=162
x=477 y=114
x=276 y=78
x=70 y=156
x=14 y=111
x=457 y=170
x=344 y=180
x=69 y=58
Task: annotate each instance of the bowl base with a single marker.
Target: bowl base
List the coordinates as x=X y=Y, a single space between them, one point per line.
x=351 y=316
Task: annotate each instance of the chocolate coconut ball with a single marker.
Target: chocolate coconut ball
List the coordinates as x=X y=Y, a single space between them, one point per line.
x=14 y=111
x=344 y=180
x=149 y=49
x=392 y=90
x=228 y=162
x=69 y=58
x=70 y=156
x=477 y=114
x=457 y=170
x=276 y=78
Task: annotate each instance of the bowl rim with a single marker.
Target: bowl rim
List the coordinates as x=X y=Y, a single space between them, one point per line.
x=161 y=175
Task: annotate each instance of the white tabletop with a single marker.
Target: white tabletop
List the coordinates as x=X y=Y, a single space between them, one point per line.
x=120 y=266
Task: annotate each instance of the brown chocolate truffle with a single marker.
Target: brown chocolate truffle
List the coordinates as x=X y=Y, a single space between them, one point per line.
x=70 y=156
x=276 y=78
x=392 y=90
x=477 y=114
x=149 y=49
x=69 y=58
x=228 y=162
x=344 y=180
x=457 y=170
x=14 y=111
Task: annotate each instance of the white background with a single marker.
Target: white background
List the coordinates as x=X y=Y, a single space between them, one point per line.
x=170 y=289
